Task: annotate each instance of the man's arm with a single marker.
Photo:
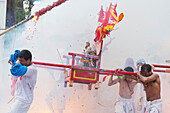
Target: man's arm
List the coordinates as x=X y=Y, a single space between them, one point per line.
x=112 y=82
x=151 y=78
x=132 y=77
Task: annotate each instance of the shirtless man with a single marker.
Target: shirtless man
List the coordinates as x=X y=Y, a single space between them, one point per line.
x=151 y=82
x=125 y=102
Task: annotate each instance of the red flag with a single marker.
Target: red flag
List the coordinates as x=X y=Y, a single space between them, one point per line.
x=101 y=15
x=114 y=13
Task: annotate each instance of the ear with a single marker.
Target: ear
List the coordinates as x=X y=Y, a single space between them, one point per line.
x=28 y=60
x=150 y=73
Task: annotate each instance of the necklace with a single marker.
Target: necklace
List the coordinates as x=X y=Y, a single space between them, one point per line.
x=131 y=91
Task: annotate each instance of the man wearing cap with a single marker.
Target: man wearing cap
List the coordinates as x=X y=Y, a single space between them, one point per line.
x=139 y=64
x=125 y=103
x=24 y=73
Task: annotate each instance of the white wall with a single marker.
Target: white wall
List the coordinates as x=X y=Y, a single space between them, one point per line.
x=143 y=33
x=2 y=26
x=2 y=22
x=2 y=14
x=2 y=60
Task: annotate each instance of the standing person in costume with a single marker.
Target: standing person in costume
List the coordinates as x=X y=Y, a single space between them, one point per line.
x=87 y=61
x=90 y=62
x=24 y=73
x=151 y=82
x=93 y=52
x=125 y=102
x=87 y=48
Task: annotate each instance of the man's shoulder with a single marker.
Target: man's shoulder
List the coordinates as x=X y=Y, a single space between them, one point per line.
x=134 y=81
x=32 y=66
x=155 y=75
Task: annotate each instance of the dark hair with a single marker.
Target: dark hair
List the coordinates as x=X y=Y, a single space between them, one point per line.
x=146 y=66
x=129 y=69
x=26 y=54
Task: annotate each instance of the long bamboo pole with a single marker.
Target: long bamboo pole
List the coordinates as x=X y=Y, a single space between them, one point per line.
x=161 y=66
x=101 y=71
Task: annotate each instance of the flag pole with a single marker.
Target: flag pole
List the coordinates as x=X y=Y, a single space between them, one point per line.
x=38 y=14
x=16 y=25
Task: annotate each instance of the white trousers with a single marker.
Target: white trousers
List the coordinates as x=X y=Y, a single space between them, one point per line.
x=124 y=106
x=154 y=106
x=18 y=107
